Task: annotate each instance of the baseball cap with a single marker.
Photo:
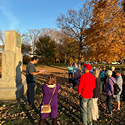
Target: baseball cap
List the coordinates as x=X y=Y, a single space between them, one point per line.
x=88 y=66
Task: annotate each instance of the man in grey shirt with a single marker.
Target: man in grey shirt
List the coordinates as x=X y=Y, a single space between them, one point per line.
x=119 y=83
x=31 y=75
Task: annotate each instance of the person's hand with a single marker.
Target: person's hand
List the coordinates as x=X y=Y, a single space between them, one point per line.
x=40 y=71
x=114 y=96
x=79 y=94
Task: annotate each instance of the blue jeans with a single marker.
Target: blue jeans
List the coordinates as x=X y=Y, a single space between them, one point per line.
x=85 y=105
x=108 y=100
x=123 y=92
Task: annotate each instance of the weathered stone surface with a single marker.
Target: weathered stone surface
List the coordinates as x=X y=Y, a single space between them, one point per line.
x=7 y=82
x=13 y=93
x=8 y=64
x=13 y=82
x=11 y=41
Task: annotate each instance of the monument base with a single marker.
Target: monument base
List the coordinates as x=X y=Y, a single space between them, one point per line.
x=12 y=93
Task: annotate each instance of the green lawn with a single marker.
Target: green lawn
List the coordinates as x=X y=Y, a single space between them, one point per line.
x=108 y=66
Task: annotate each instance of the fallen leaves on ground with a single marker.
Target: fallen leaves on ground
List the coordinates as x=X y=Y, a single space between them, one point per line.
x=68 y=104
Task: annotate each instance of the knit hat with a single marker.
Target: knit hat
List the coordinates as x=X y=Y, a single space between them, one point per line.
x=88 y=66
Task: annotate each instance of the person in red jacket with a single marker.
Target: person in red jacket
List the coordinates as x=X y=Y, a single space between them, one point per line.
x=85 y=90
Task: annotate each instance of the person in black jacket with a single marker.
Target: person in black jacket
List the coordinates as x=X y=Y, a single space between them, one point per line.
x=113 y=72
x=104 y=70
x=96 y=95
x=123 y=77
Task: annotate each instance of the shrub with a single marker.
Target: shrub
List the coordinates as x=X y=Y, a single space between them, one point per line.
x=26 y=59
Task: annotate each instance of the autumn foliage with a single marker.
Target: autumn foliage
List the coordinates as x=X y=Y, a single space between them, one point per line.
x=94 y=32
x=106 y=35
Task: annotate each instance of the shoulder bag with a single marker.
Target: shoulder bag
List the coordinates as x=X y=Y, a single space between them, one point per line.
x=116 y=88
x=47 y=108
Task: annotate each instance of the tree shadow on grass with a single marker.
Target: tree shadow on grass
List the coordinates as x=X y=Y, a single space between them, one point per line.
x=57 y=66
x=27 y=108
x=57 y=73
x=28 y=114
x=70 y=106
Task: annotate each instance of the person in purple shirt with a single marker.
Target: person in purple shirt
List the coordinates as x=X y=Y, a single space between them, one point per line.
x=47 y=94
x=110 y=90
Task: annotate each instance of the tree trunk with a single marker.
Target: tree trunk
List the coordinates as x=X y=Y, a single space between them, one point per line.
x=79 y=54
x=124 y=5
x=65 y=59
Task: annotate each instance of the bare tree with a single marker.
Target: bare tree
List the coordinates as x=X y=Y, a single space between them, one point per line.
x=1 y=37
x=18 y=30
x=53 y=33
x=74 y=23
x=25 y=37
x=33 y=34
x=1 y=41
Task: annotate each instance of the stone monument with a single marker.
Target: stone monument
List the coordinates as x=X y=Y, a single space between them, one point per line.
x=13 y=82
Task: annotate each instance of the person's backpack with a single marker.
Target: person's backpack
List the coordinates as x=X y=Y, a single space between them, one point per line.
x=116 y=88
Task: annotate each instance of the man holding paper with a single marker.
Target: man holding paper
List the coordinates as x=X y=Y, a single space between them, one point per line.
x=31 y=75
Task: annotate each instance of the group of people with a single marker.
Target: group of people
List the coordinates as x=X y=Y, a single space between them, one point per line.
x=74 y=74
x=90 y=85
x=115 y=77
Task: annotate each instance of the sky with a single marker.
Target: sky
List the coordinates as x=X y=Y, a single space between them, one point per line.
x=33 y=14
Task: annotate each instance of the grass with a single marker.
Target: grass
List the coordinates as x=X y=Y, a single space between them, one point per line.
x=19 y=113
x=108 y=66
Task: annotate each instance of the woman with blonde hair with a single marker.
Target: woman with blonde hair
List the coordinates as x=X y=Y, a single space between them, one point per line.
x=50 y=91
x=96 y=95
x=123 y=77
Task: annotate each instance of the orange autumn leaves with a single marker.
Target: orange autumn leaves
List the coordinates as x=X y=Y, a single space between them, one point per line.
x=106 y=35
